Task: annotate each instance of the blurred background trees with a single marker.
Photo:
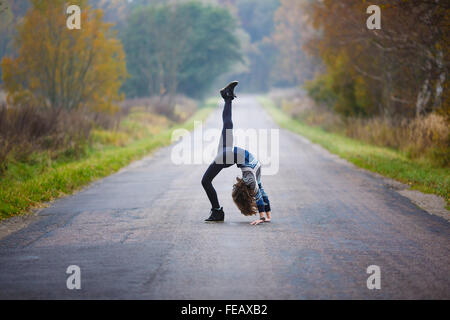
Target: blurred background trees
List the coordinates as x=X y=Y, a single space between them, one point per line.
x=292 y=33
x=11 y=13
x=321 y=50
x=182 y=47
x=255 y=18
x=6 y=30
x=179 y=48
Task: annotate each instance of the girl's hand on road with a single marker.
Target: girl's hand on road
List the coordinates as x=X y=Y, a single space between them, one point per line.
x=258 y=221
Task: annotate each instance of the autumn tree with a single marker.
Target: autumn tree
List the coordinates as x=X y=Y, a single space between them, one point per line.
x=400 y=70
x=60 y=68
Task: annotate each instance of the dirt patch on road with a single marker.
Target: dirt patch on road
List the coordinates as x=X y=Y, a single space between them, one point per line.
x=431 y=203
x=16 y=223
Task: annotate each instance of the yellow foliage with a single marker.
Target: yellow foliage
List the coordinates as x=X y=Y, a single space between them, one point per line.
x=61 y=68
x=106 y=137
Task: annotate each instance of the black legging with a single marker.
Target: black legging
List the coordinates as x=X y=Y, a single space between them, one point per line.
x=226 y=141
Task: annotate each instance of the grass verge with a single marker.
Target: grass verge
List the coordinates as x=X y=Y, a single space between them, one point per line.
x=31 y=186
x=419 y=175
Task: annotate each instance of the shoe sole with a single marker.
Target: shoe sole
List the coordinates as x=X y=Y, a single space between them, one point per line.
x=228 y=85
x=215 y=221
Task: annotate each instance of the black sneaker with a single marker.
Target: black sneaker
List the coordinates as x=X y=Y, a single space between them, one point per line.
x=217 y=215
x=228 y=91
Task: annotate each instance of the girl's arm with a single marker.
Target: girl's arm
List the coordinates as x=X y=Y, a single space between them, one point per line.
x=262 y=202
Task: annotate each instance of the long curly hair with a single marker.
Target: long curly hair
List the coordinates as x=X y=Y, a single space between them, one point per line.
x=244 y=198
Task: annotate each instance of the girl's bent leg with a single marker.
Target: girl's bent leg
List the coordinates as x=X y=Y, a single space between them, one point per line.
x=212 y=171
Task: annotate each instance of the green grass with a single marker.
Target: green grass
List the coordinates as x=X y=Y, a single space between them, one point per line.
x=31 y=185
x=387 y=162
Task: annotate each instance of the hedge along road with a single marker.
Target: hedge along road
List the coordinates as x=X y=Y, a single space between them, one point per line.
x=140 y=234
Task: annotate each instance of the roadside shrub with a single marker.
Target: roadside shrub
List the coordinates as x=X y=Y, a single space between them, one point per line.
x=429 y=135
x=320 y=90
x=25 y=130
x=426 y=136
x=421 y=137
x=108 y=137
x=177 y=109
x=32 y=134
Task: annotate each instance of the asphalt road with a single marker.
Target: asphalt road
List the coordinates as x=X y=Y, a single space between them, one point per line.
x=140 y=234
